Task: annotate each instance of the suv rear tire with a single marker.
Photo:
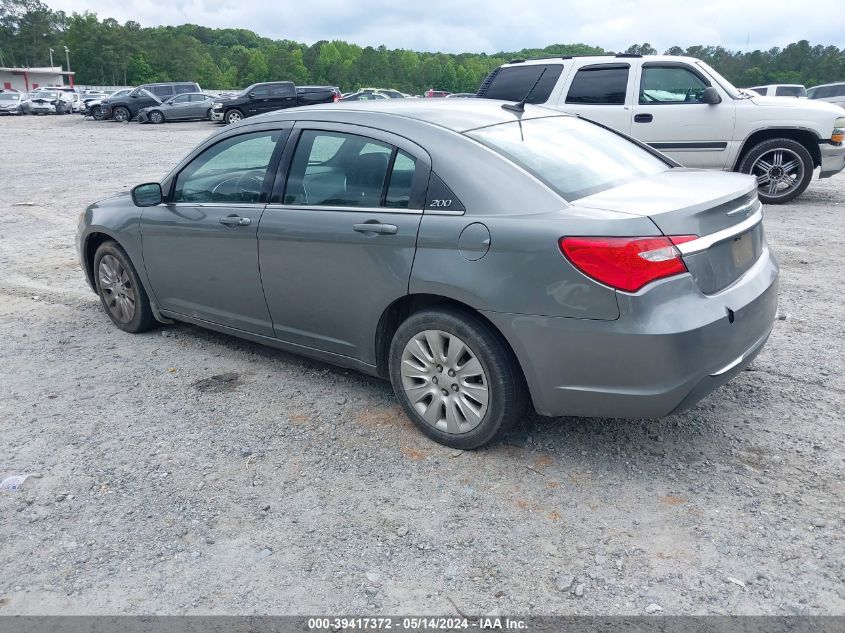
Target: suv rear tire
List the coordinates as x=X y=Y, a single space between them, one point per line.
x=121 y=114
x=783 y=168
x=455 y=378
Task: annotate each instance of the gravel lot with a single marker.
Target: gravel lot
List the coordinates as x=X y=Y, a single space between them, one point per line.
x=296 y=487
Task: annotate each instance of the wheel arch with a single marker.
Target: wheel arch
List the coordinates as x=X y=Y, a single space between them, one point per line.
x=405 y=306
x=807 y=138
x=91 y=243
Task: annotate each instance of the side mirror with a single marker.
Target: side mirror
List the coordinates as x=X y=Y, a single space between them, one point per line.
x=252 y=95
x=710 y=96
x=147 y=195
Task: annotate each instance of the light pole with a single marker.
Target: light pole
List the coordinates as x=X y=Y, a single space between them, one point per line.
x=67 y=57
x=51 y=58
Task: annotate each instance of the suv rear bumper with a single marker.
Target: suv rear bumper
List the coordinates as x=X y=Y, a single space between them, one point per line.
x=833 y=159
x=670 y=347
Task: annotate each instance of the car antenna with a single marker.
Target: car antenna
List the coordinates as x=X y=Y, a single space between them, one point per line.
x=520 y=107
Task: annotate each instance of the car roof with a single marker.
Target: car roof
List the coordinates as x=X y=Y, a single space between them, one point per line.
x=601 y=59
x=832 y=83
x=458 y=115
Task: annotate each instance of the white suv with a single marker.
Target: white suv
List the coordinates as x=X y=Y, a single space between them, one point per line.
x=685 y=109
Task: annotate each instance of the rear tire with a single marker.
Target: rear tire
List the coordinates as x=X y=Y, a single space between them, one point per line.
x=121 y=292
x=783 y=168
x=121 y=114
x=233 y=116
x=455 y=378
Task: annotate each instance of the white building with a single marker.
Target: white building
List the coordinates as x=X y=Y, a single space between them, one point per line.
x=27 y=79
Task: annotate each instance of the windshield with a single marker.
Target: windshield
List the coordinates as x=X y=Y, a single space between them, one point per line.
x=246 y=91
x=119 y=93
x=574 y=157
x=9 y=96
x=726 y=85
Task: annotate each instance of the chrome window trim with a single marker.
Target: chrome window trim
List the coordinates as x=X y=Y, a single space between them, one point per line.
x=323 y=207
x=228 y=205
x=705 y=242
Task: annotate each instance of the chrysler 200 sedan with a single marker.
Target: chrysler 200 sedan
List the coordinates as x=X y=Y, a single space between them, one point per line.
x=480 y=255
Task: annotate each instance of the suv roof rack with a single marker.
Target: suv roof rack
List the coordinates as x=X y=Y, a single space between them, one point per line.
x=536 y=59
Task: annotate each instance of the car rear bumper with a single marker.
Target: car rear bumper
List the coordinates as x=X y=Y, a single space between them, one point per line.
x=670 y=347
x=833 y=160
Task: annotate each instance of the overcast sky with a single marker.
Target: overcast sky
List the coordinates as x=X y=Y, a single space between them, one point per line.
x=499 y=25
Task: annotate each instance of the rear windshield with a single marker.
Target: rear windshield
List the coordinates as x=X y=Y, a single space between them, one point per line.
x=9 y=96
x=572 y=156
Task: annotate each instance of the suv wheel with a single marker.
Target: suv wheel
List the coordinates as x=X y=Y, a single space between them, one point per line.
x=121 y=114
x=455 y=378
x=233 y=116
x=783 y=168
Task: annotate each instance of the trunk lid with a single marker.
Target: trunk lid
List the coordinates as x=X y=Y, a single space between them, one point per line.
x=720 y=207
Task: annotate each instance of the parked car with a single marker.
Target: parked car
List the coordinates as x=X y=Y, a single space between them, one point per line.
x=585 y=272
x=267 y=97
x=430 y=94
x=365 y=95
x=12 y=102
x=50 y=102
x=780 y=90
x=125 y=108
x=191 y=105
x=681 y=106
x=832 y=93
x=93 y=106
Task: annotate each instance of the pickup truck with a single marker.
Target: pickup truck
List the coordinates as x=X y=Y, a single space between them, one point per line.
x=685 y=109
x=266 y=97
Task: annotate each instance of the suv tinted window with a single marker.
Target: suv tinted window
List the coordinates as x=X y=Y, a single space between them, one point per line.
x=182 y=88
x=670 y=85
x=259 y=92
x=230 y=171
x=281 y=90
x=162 y=91
x=336 y=169
x=599 y=86
x=837 y=91
x=513 y=83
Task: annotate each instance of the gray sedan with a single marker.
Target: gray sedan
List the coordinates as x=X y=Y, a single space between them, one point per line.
x=184 y=107
x=481 y=256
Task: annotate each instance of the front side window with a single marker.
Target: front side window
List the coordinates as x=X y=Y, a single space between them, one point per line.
x=513 y=83
x=572 y=156
x=669 y=84
x=347 y=170
x=180 y=99
x=599 y=86
x=230 y=171
x=260 y=93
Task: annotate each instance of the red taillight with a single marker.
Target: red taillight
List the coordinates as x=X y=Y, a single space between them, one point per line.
x=336 y=98
x=626 y=263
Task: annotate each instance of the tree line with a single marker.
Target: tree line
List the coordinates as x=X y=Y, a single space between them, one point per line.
x=106 y=52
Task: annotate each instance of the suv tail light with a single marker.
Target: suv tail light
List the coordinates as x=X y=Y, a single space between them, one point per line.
x=626 y=263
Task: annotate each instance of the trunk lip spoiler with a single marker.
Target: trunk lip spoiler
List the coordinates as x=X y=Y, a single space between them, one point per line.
x=706 y=241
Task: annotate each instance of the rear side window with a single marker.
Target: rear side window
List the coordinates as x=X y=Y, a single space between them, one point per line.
x=347 y=170
x=599 y=86
x=512 y=83
x=182 y=88
x=790 y=91
x=572 y=156
x=162 y=91
x=281 y=90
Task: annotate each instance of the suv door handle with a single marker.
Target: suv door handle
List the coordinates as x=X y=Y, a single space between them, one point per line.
x=376 y=227
x=235 y=220
x=643 y=118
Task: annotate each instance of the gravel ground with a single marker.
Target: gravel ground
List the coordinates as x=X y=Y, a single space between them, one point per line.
x=294 y=487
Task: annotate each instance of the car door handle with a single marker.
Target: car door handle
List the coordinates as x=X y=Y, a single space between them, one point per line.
x=376 y=227
x=235 y=220
x=643 y=118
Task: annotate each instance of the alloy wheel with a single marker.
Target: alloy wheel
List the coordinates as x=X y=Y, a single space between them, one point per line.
x=444 y=381
x=116 y=288
x=778 y=171
x=156 y=117
x=120 y=115
x=233 y=117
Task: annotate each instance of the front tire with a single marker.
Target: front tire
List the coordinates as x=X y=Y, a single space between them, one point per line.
x=783 y=168
x=121 y=114
x=155 y=117
x=233 y=116
x=97 y=113
x=121 y=292
x=455 y=378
